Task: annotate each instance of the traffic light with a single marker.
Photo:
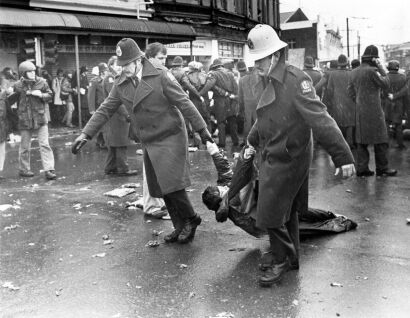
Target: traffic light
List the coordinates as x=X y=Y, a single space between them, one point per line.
x=50 y=51
x=29 y=49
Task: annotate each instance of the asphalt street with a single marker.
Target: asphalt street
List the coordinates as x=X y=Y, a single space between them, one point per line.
x=54 y=263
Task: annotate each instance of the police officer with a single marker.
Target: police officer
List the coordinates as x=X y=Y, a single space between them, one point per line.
x=225 y=90
x=149 y=93
x=287 y=113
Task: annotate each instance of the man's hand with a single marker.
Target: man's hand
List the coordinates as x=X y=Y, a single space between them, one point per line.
x=205 y=136
x=249 y=152
x=36 y=93
x=390 y=96
x=347 y=170
x=78 y=143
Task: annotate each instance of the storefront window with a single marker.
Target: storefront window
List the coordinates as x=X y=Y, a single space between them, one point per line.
x=230 y=50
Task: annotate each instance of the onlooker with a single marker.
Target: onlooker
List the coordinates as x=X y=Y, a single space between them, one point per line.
x=242 y=68
x=57 y=108
x=82 y=89
x=4 y=129
x=66 y=96
x=156 y=53
x=395 y=99
x=197 y=78
x=365 y=84
x=33 y=94
x=355 y=63
x=315 y=75
x=341 y=106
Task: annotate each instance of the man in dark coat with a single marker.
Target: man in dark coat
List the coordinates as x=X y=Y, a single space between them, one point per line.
x=288 y=112
x=309 y=65
x=394 y=101
x=341 y=106
x=157 y=106
x=365 y=85
x=225 y=89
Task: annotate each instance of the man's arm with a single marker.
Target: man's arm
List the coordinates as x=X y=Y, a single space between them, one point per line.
x=209 y=84
x=323 y=125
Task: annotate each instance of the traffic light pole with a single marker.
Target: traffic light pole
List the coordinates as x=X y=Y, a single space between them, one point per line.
x=77 y=66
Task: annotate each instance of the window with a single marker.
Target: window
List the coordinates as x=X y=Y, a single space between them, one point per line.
x=292 y=43
x=230 y=50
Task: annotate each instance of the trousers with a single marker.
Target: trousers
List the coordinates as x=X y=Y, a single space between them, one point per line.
x=46 y=153
x=380 y=156
x=116 y=160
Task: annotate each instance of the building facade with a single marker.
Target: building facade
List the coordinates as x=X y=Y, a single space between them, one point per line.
x=399 y=52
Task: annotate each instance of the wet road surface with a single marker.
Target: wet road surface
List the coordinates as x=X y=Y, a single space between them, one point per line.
x=54 y=254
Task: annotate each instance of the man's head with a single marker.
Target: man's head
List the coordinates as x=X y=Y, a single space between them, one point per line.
x=129 y=56
x=309 y=62
x=216 y=64
x=60 y=72
x=393 y=65
x=83 y=69
x=102 y=69
x=241 y=67
x=212 y=196
x=265 y=48
x=342 y=61
x=156 y=52
x=27 y=70
x=370 y=53
x=177 y=61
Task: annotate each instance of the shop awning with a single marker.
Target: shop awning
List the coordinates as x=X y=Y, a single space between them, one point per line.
x=104 y=25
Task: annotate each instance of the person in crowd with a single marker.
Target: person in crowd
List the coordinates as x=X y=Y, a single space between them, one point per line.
x=197 y=79
x=341 y=106
x=66 y=95
x=225 y=90
x=58 y=105
x=249 y=91
x=321 y=86
x=355 y=63
x=285 y=148
x=158 y=106
x=395 y=99
x=4 y=124
x=314 y=74
x=32 y=94
x=117 y=128
x=44 y=74
x=82 y=89
x=365 y=85
x=242 y=69
x=156 y=53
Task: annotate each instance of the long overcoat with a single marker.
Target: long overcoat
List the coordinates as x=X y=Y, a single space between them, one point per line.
x=249 y=89
x=341 y=106
x=116 y=130
x=287 y=113
x=364 y=88
x=3 y=116
x=395 y=109
x=157 y=107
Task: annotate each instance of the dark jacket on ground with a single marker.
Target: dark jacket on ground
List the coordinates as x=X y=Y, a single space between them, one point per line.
x=157 y=107
x=31 y=109
x=341 y=106
x=287 y=114
x=364 y=88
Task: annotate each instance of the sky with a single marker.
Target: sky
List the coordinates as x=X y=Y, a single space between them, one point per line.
x=377 y=22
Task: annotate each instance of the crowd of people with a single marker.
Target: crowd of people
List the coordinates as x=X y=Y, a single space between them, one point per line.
x=135 y=96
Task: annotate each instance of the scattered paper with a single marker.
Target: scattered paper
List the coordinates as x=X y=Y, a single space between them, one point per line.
x=191 y=295
x=131 y=185
x=120 y=192
x=108 y=242
x=192 y=149
x=58 y=292
x=139 y=152
x=336 y=285
x=99 y=255
x=152 y=244
x=11 y=227
x=183 y=266
x=10 y=286
x=4 y=207
x=223 y=315
x=157 y=233
x=349 y=191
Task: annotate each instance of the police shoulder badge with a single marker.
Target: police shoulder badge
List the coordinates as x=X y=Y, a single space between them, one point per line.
x=306 y=87
x=118 y=51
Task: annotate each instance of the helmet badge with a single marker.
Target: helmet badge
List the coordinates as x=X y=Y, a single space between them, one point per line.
x=250 y=44
x=118 y=51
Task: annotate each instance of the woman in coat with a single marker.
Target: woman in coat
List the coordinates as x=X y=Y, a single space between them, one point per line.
x=157 y=105
x=365 y=85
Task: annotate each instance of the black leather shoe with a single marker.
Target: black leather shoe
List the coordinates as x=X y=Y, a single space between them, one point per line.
x=172 y=237
x=26 y=173
x=267 y=259
x=188 y=231
x=273 y=274
x=366 y=173
x=386 y=173
x=50 y=175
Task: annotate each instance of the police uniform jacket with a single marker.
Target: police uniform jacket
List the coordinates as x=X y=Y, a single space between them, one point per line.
x=116 y=131
x=287 y=113
x=221 y=81
x=157 y=107
x=31 y=109
x=341 y=106
x=395 y=109
x=249 y=90
x=364 y=88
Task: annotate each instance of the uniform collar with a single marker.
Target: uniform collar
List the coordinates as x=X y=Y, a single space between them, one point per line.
x=278 y=73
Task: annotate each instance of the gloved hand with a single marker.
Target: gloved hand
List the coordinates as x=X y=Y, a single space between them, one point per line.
x=78 y=143
x=205 y=136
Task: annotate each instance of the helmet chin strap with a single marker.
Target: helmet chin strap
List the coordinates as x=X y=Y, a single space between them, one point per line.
x=271 y=65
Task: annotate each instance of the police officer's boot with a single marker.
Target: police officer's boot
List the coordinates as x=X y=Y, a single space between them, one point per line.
x=274 y=273
x=188 y=231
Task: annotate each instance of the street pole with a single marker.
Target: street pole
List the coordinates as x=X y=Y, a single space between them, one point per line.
x=77 y=66
x=347 y=38
x=358 y=46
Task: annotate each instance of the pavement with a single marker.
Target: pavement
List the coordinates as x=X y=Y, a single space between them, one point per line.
x=54 y=263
